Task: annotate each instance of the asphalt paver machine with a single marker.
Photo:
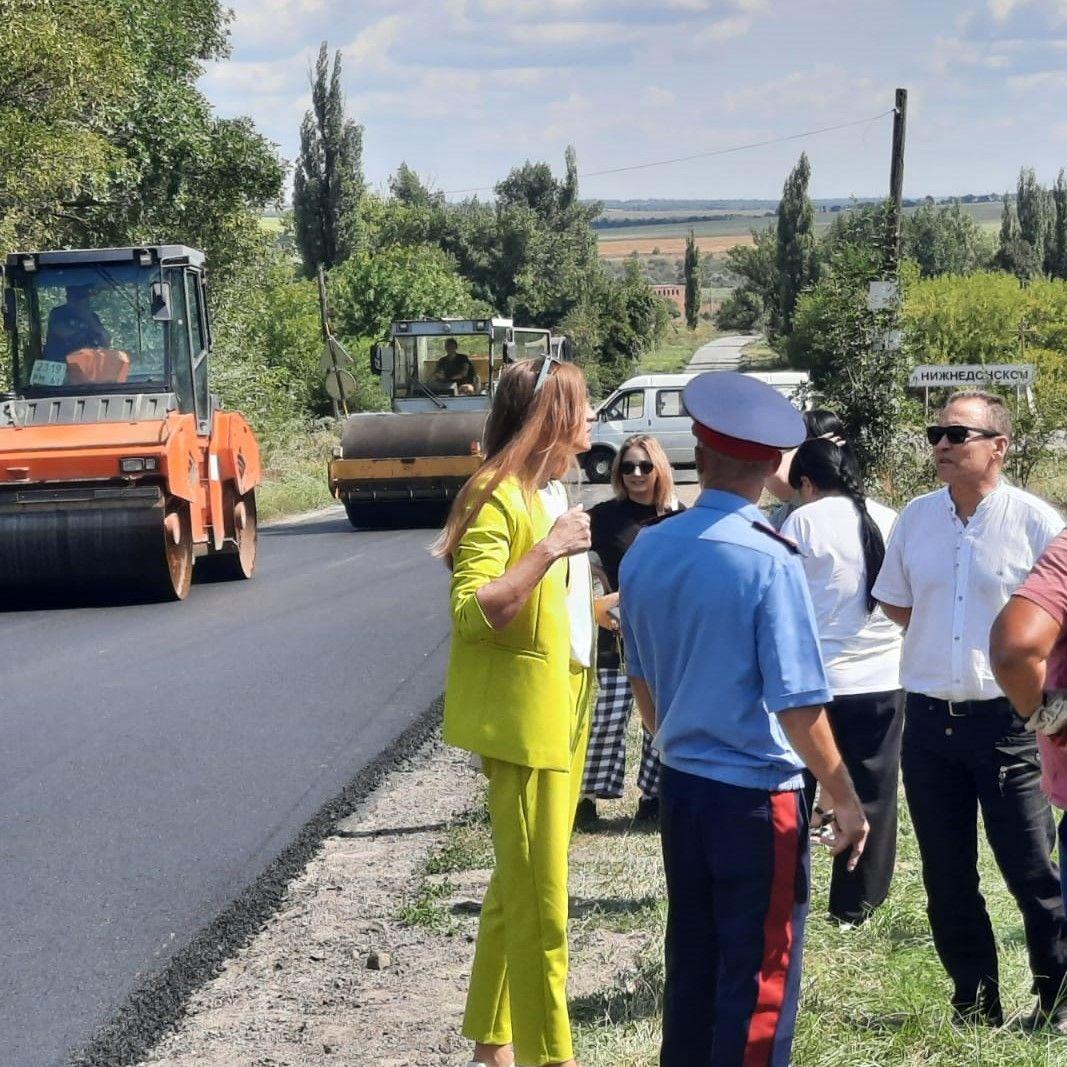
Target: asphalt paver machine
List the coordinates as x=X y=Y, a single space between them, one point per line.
x=403 y=466
x=118 y=467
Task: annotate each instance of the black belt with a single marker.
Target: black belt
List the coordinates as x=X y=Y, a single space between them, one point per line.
x=958 y=709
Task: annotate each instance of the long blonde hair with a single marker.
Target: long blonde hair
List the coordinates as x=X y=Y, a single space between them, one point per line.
x=663 y=496
x=537 y=448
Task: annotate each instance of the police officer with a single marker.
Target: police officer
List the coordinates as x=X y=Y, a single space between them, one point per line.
x=723 y=656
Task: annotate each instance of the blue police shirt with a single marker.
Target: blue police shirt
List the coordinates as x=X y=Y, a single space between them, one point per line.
x=718 y=622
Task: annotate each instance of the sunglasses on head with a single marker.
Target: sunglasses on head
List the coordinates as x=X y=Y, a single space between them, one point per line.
x=630 y=467
x=542 y=374
x=956 y=434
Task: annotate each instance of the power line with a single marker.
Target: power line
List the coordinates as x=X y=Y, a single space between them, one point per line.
x=704 y=155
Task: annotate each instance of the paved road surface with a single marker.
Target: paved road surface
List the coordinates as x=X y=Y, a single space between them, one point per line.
x=157 y=758
x=724 y=353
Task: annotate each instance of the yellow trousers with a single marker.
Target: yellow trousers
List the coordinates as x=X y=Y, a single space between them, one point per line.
x=518 y=990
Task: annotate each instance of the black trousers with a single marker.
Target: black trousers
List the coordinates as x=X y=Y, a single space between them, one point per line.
x=954 y=765
x=867 y=728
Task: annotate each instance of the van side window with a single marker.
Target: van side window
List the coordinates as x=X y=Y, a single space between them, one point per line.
x=669 y=404
x=627 y=406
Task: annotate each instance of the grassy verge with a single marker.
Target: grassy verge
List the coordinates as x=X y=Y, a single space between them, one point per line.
x=678 y=345
x=872 y=996
x=294 y=471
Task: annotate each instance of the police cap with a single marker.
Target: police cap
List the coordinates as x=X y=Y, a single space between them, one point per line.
x=741 y=416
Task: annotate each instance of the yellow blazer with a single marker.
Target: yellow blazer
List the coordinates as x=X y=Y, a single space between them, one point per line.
x=508 y=691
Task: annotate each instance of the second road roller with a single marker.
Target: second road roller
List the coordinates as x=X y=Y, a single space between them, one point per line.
x=119 y=470
x=403 y=466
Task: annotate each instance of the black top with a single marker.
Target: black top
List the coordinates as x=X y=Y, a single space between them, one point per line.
x=614 y=525
x=456 y=368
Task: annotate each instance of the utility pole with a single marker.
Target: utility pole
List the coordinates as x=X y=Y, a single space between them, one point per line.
x=896 y=172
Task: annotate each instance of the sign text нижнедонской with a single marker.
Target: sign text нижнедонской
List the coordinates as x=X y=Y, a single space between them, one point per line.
x=962 y=375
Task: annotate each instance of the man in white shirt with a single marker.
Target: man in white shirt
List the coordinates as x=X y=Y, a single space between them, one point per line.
x=955 y=557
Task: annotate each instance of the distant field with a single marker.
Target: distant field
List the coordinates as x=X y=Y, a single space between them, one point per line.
x=271 y=223
x=621 y=247
x=722 y=234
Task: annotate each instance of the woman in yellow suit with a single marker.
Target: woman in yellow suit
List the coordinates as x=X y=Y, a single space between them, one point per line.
x=518 y=694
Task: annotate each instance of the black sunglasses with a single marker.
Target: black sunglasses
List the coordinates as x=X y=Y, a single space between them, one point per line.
x=956 y=434
x=630 y=467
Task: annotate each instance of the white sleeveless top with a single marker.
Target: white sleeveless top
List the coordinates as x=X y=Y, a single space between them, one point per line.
x=579 y=605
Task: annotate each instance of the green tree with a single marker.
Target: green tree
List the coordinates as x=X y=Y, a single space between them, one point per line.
x=750 y=306
x=1015 y=255
x=371 y=290
x=106 y=139
x=944 y=240
x=1034 y=207
x=692 y=281
x=796 y=262
x=328 y=182
x=1057 y=263
x=842 y=342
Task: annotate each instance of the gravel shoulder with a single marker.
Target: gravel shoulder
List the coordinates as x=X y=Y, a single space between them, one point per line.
x=368 y=956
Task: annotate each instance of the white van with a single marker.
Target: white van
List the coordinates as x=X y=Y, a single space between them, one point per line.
x=652 y=404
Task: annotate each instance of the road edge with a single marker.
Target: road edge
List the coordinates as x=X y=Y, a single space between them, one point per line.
x=156 y=1004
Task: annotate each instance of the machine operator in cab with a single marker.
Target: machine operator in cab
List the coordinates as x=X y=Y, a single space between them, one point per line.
x=455 y=368
x=74 y=325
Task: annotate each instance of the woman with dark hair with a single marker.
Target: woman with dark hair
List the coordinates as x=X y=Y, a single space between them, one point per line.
x=517 y=694
x=842 y=536
x=819 y=423
x=644 y=490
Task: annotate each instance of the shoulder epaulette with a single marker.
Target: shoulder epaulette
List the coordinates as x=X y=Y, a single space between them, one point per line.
x=770 y=531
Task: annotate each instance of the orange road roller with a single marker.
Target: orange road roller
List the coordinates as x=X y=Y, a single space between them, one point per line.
x=119 y=470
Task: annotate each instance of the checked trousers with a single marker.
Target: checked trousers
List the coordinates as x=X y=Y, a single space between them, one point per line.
x=605 y=761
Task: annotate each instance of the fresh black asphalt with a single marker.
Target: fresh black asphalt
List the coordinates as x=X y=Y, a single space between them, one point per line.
x=164 y=768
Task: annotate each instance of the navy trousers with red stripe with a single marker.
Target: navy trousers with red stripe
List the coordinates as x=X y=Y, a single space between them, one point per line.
x=737 y=868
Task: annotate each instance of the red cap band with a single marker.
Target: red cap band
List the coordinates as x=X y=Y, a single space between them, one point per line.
x=734 y=446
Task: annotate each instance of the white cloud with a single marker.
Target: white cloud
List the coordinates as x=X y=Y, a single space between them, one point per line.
x=264 y=21
x=654 y=96
x=821 y=87
x=725 y=30
x=370 y=48
x=1040 y=81
x=1001 y=10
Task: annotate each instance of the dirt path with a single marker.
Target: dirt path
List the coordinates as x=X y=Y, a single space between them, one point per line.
x=368 y=958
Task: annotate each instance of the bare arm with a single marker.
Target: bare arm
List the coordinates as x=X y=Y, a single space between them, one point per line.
x=503 y=598
x=808 y=730
x=1020 y=643
x=645 y=704
x=901 y=616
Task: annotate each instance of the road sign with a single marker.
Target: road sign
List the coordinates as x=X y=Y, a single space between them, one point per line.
x=882 y=295
x=340 y=383
x=962 y=375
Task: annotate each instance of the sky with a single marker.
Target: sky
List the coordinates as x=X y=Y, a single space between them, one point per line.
x=464 y=90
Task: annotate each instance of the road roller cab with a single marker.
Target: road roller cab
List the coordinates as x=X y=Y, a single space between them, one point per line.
x=404 y=465
x=118 y=468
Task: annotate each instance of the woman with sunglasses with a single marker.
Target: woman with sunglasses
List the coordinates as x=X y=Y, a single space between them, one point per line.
x=644 y=490
x=842 y=535
x=517 y=694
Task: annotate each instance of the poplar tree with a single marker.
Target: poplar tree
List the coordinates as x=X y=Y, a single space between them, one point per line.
x=328 y=182
x=1034 y=208
x=796 y=244
x=1058 y=245
x=692 y=281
